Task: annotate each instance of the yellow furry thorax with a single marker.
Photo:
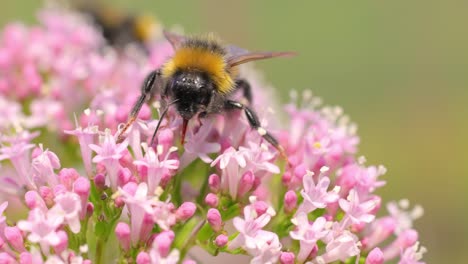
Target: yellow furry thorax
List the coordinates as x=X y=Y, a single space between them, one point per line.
x=200 y=58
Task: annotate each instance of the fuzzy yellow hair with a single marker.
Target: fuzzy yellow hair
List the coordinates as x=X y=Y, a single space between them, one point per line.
x=201 y=56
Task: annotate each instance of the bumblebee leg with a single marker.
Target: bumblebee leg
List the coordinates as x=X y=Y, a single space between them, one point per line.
x=151 y=84
x=246 y=89
x=255 y=124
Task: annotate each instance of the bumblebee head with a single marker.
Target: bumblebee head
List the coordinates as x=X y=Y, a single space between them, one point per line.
x=194 y=92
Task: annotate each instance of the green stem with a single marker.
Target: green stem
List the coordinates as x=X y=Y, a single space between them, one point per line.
x=191 y=239
x=99 y=250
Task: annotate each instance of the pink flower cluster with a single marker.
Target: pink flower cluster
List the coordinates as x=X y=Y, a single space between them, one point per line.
x=224 y=190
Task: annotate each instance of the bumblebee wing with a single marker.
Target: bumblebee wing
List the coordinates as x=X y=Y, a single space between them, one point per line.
x=175 y=39
x=244 y=57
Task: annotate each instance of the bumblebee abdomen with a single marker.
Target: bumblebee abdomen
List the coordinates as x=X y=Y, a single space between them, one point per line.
x=204 y=55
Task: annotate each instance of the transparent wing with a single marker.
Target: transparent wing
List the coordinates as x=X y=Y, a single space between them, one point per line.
x=175 y=39
x=247 y=56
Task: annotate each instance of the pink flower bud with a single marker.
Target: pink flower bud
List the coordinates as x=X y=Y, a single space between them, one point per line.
x=123 y=176
x=34 y=200
x=67 y=177
x=47 y=195
x=246 y=183
x=163 y=242
x=375 y=257
x=185 y=211
x=260 y=207
x=143 y=258
x=15 y=238
x=287 y=258
x=63 y=243
x=122 y=231
x=89 y=209
x=100 y=181
x=82 y=187
x=212 y=200
x=214 y=219
x=286 y=179
x=290 y=201
x=221 y=240
x=214 y=182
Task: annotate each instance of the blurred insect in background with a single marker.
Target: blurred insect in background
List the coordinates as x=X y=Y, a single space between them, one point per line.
x=199 y=80
x=119 y=28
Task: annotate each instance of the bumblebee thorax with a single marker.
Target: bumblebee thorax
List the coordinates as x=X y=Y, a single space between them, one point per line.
x=205 y=56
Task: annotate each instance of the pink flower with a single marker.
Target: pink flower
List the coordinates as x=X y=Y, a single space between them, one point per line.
x=68 y=207
x=42 y=228
x=157 y=166
x=268 y=249
x=404 y=217
x=138 y=204
x=85 y=138
x=43 y=165
x=307 y=234
x=341 y=248
x=109 y=153
x=357 y=212
x=231 y=162
x=198 y=144
x=412 y=255
x=316 y=196
x=250 y=229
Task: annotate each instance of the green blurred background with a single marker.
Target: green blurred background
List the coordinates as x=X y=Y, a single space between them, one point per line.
x=399 y=69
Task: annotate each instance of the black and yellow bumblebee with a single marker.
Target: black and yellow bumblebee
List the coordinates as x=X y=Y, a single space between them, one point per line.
x=119 y=28
x=199 y=80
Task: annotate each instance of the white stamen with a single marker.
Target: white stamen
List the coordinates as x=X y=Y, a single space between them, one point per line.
x=294 y=221
x=336 y=189
x=417 y=212
x=261 y=131
x=404 y=203
x=306 y=95
x=159 y=149
x=252 y=199
x=381 y=169
x=84 y=248
x=87 y=111
x=271 y=211
x=361 y=160
x=159 y=191
x=324 y=169
x=99 y=112
x=172 y=149
x=157 y=104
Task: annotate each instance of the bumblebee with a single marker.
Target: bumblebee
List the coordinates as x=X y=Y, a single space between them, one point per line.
x=120 y=28
x=200 y=80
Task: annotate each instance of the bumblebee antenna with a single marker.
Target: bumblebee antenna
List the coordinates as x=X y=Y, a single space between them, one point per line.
x=160 y=120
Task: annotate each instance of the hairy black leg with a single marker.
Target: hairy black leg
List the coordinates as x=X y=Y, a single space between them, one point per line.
x=151 y=84
x=243 y=85
x=255 y=123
